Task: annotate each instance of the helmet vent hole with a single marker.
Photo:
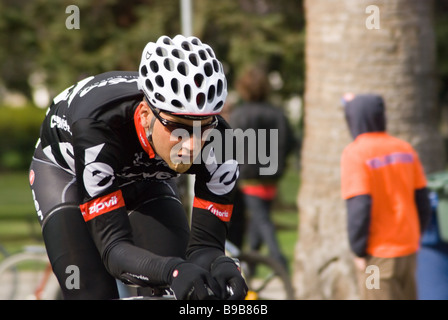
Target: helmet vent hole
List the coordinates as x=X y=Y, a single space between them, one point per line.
x=200 y=100
x=210 y=52
x=177 y=104
x=161 y=52
x=154 y=66
x=186 y=46
x=194 y=59
x=182 y=68
x=169 y=64
x=211 y=93
x=159 y=81
x=208 y=69
x=175 y=86
x=149 y=85
x=218 y=105
x=187 y=92
x=159 y=97
x=203 y=55
x=198 y=80
x=144 y=71
x=215 y=65
x=178 y=54
x=167 y=41
x=219 y=88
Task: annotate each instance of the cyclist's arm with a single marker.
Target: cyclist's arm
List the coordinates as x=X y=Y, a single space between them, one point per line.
x=213 y=203
x=97 y=151
x=207 y=238
x=125 y=261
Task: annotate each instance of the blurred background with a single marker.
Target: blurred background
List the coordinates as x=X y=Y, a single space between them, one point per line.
x=45 y=48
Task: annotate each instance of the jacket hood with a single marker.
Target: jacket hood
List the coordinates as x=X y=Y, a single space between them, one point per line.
x=365 y=113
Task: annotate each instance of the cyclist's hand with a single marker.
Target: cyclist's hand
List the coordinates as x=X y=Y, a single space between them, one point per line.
x=191 y=282
x=228 y=275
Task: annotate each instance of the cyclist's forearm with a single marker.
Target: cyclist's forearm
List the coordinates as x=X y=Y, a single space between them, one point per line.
x=207 y=239
x=112 y=235
x=139 y=266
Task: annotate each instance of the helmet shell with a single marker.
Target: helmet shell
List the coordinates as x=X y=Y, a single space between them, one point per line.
x=182 y=76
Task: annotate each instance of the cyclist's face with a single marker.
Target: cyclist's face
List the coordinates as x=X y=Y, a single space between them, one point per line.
x=177 y=147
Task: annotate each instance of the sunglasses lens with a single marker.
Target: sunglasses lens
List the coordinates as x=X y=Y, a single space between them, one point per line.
x=171 y=125
x=190 y=129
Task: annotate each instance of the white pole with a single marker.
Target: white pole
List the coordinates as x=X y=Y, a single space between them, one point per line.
x=186 y=12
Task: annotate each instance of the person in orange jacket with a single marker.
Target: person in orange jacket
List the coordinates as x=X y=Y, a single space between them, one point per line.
x=384 y=185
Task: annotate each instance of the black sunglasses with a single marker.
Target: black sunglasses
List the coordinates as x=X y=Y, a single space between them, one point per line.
x=172 y=125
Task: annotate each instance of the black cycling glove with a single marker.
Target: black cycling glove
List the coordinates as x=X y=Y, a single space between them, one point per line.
x=229 y=278
x=191 y=282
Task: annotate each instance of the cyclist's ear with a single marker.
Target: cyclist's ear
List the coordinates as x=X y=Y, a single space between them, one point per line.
x=145 y=114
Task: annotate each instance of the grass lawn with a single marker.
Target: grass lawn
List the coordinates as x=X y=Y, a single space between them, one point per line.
x=18 y=221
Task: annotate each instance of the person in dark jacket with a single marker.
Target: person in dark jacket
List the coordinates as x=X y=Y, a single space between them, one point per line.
x=384 y=185
x=264 y=156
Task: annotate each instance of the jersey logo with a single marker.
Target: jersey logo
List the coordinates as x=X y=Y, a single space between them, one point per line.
x=102 y=205
x=222 y=211
x=70 y=93
x=97 y=176
x=224 y=177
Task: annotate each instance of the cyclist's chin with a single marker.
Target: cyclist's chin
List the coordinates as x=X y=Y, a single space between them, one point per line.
x=181 y=161
x=180 y=167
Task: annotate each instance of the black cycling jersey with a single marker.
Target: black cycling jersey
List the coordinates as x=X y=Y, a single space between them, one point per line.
x=90 y=132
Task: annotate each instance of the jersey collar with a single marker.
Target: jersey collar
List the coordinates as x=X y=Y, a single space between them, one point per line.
x=142 y=134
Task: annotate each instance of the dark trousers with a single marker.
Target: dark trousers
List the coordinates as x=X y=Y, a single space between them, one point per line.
x=261 y=229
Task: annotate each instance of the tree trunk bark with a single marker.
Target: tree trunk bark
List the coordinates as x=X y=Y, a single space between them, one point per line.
x=352 y=46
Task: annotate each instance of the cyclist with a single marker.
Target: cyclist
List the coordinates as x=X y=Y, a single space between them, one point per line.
x=103 y=178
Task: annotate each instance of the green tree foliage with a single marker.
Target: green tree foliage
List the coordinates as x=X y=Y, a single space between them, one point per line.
x=112 y=34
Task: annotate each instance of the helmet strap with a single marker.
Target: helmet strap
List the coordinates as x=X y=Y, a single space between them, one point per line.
x=150 y=131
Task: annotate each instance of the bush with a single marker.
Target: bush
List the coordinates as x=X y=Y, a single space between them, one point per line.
x=19 y=131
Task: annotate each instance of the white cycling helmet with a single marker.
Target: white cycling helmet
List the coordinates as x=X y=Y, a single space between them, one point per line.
x=182 y=76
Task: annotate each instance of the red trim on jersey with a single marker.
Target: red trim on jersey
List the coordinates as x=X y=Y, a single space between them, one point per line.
x=102 y=205
x=142 y=134
x=222 y=211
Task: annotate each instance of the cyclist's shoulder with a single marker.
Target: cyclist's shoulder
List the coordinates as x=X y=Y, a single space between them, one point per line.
x=110 y=85
x=99 y=94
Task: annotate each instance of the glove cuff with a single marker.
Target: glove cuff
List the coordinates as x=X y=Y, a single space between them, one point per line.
x=224 y=259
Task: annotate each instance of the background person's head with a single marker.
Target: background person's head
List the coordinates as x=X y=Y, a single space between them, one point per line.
x=253 y=84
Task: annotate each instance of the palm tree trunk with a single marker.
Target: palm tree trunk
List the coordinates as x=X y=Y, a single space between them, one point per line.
x=349 y=50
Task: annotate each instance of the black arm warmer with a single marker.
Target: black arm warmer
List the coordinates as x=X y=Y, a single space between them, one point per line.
x=358 y=223
x=112 y=235
x=138 y=266
x=207 y=239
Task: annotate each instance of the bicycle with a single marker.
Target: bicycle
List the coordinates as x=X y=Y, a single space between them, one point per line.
x=266 y=278
x=27 y=275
